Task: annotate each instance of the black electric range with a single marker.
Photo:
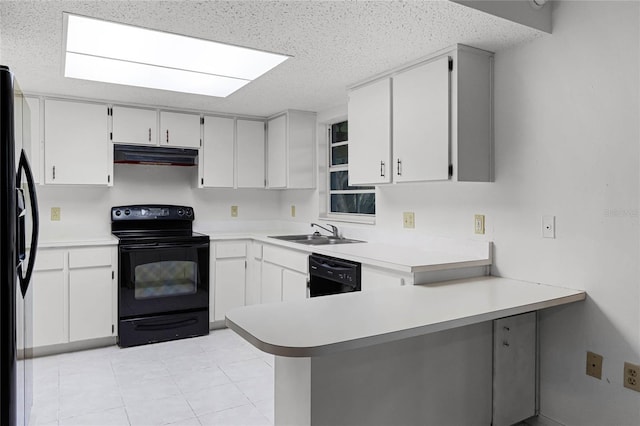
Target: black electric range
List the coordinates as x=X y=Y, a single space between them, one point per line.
x=163 y=274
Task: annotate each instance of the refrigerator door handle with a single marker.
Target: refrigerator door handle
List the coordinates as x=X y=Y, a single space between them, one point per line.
x=24 y=166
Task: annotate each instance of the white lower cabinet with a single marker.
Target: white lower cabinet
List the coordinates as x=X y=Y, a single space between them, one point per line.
x=49 y=298
x=271 y=283
x=374 y=279
x=284 y=274
x=294 y=285
x=229 y=277
x=74 y=295
x=254 y=273
x=90 y=314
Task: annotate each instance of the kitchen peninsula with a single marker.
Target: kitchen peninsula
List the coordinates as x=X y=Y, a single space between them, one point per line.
x=422 y=354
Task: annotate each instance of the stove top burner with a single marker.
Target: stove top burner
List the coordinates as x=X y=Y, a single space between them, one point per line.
x=153 y=222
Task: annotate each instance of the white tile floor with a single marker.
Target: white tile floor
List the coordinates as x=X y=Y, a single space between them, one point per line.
x=217 y=379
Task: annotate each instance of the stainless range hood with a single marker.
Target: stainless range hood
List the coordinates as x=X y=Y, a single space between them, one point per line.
x=140 y=154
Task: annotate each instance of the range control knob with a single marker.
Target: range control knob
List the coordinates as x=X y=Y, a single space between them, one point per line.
x=127 y=212
x=189 y=212
x=118 y=212
x=180 y=212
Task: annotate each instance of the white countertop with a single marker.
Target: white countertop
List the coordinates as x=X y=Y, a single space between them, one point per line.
x=408 y=259
x=432 y=255
x=346 y=321
x=95 y=241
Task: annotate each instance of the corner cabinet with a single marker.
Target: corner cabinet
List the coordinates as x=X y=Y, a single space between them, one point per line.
x=291 y=144
x=229 y=260
x=431 y=121
x=232 y=153
x=76 y=147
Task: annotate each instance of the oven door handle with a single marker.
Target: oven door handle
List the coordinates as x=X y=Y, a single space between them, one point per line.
x=153 y=246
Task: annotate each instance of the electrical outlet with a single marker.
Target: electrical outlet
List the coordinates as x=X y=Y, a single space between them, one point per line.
x=632 y=376
x=548 y=226
x=478 y=223
x=55 y=213
x=234 y=211
x=293 y=211
x=409 y=219
x=594 y=365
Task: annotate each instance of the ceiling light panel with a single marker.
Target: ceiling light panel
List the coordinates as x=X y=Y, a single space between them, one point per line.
x=149 y=49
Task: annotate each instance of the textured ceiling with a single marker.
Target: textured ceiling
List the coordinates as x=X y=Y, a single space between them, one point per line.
x=333 y=43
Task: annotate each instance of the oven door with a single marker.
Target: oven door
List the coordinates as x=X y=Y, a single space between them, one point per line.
x=163 y=277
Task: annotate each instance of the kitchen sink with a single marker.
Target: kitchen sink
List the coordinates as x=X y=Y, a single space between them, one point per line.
x=315 y=239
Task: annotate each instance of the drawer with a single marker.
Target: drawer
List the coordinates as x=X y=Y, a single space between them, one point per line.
x=90 y=257
x=231 y=249
x=290 y=259
x=49 y=260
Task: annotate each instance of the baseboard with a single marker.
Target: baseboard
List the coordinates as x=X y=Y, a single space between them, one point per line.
x=73 y=346
x=541 y=420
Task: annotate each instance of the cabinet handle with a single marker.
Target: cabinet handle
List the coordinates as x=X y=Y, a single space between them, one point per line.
x=54 y=172
x=149 y=134
x=382 y=169
x=399 y=167
x=167 y=135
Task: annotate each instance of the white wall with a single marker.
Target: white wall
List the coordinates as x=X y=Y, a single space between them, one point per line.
x=567 y=144
x=85 y=211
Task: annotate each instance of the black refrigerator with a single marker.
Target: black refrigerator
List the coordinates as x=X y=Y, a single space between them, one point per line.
x=18 y=211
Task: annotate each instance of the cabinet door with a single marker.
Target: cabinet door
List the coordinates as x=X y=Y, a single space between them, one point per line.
x=250 y=154
x=370 y=133
x=277 y=152
x=218 y=158
x=33 y=139
x=374 y=279
x=271 y=283
x=179 y=129
x=90 y=307
x=134 y=125
x=77 y=150
x=229 y=281
x=421 y=122
x=294 y=285
x=49 y=308
x=301 y=148
x=514 y=368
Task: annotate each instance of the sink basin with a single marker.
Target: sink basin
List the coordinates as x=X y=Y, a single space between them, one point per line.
x=314 y=239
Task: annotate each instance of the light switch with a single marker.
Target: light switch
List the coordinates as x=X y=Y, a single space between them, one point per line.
x=234 y=211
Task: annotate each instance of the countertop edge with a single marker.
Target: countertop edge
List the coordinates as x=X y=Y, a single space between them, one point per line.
x=301 y=352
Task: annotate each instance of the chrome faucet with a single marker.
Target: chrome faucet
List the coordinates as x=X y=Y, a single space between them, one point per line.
x=333 y=230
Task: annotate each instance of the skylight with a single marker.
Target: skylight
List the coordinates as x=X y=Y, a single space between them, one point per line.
x=123 y=54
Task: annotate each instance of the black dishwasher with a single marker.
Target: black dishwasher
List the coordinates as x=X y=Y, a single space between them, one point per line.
x=330 y=275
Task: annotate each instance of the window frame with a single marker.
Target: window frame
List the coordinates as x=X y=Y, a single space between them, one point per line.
x=342 y=216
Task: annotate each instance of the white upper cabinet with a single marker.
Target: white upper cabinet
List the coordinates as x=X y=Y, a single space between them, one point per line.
x=291 y=142
x=277 y=154
x=134 y=125
x=33 y=139
x=421 y=122
x=250 y=149
x=77 y=150
x=370 y=133
x=441 y=113
x=232 y=153
x=179 y=129
x=217 y=153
